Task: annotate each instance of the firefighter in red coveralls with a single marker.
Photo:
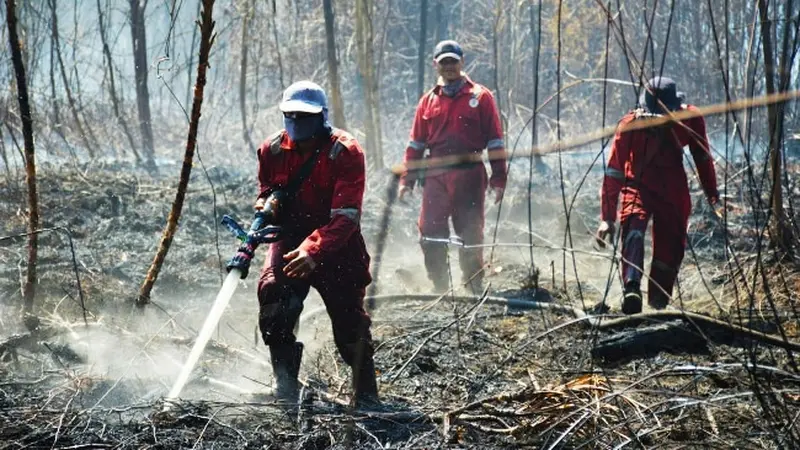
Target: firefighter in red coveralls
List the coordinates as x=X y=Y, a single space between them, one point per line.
x=646 y=167
x=322 y=244
x=456 y=117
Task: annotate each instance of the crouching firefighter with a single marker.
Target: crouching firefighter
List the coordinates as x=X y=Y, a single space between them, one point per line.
x=645 y=168
x=311 y=179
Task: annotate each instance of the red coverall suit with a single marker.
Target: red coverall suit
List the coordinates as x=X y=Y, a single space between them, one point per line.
x=323 y=219
x=465 y=123
x=646 y=167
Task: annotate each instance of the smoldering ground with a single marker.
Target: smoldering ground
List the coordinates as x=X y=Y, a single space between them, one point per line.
x=103 y=383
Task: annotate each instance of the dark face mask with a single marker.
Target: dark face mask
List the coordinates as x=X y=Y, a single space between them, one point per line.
x=305 y=128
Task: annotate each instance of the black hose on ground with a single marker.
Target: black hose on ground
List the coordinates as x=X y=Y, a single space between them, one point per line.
x=512 y=303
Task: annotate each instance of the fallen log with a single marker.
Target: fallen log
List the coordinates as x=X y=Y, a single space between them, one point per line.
x=722 y=331
x=649 y=341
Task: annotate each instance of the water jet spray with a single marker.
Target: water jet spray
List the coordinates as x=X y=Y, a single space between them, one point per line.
x=238 y=268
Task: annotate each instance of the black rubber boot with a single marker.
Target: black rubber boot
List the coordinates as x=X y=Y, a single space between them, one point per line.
x=632 y=299
x=474 y=286
x=657 y=299
x=435 y=255
x=365 y=387
x=285 y=360
x=440 y=286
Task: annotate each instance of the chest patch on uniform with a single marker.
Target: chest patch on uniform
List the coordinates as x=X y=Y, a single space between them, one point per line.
x=476 y=92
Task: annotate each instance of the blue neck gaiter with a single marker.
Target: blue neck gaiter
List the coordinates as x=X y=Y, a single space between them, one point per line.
x=305 y=128
x=452 y=88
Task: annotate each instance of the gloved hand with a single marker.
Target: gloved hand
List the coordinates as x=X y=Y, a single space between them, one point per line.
x=241 y=260
x=498 y=194
x=403 y=192
x=713 y=198
x=605 y=230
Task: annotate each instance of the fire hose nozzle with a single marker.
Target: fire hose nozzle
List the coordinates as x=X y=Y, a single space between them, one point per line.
x=258 y=234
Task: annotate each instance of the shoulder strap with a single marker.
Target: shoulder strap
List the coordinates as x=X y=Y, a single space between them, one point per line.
x=305 y=170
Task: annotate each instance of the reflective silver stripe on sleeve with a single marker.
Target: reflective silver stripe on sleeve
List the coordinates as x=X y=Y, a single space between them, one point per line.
x=416 y=145
x=350 y=213
x=495 y=143
x=615 y=173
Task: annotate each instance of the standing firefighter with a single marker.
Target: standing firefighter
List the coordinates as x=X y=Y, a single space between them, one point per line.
x=311 y=180
x=458 y=117
x=646 y=167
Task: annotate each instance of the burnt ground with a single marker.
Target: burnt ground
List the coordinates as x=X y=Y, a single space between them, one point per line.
x=453 y=374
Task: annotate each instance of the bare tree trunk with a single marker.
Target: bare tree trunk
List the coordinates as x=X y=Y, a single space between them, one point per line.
x=29 y=288
x=30 y=26
x=112 y=89
x=139 y=39
x=441 y=21
x=781 y=232
x=333 y=66
x=365 y=63
x=54 y=97
x=277 y=43
x=76 y=79
x=243 y=75
x=498 y=24
x=84 y=134
x=697 y=60
x=422 y=47
x=749 y=77
x=382 y=46
x=4 y=156
x=256 y=104
x=190 y=62
x=536 y=24
x=206 y=40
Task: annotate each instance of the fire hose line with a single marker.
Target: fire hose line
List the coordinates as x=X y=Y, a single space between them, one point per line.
x=514 y=303
x=458 y=242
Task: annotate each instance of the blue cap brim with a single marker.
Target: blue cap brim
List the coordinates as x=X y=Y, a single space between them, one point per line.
x=300 y=106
